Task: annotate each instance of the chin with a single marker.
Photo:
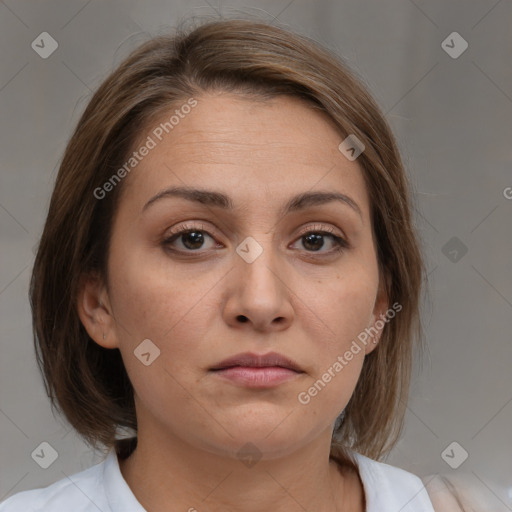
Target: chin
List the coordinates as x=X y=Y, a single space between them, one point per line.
x=263 y=440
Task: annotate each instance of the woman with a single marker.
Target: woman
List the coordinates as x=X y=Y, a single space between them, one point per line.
x=229 y=270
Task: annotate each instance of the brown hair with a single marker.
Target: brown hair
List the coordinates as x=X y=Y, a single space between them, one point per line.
x=88 y=382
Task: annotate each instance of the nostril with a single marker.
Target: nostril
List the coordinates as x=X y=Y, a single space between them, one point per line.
x=242 y=318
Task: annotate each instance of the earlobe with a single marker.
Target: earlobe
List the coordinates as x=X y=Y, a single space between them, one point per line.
x=379 y=316
x=95 y=312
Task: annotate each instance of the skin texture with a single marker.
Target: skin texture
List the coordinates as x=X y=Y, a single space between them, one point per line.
x=306 y=304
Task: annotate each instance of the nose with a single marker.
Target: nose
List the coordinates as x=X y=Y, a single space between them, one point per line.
x=258 y=294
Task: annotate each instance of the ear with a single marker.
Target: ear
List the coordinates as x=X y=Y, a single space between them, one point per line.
x=95 y=311
x=379 y=318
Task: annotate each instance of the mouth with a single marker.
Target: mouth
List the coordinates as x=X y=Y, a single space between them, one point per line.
x=250 y=360
x=258 y=371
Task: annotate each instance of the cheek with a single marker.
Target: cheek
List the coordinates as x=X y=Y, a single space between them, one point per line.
x=153 y=302
x=344 y=304
x=341 y=304
x=354 y=304
x=156 y=300
x=150 y=296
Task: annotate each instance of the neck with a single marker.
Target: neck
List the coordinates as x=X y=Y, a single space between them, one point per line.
x=167 y=475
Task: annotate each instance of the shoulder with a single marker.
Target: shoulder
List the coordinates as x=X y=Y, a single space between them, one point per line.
x=458 y=493
x=80 y=492
x=391 y=488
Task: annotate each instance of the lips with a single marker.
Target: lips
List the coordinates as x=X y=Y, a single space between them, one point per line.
x=251 y=360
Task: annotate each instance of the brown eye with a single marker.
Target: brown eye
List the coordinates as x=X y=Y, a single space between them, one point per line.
x=187 y=238
x=313 y=240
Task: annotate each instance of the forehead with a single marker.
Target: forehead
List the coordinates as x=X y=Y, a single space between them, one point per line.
x=235 y=143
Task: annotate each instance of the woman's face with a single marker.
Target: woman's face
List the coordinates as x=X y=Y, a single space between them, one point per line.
x=252 y=275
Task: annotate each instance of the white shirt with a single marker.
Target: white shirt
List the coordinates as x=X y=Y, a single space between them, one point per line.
x=102 y=488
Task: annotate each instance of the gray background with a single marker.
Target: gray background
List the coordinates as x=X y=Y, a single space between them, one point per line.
x=452 y=118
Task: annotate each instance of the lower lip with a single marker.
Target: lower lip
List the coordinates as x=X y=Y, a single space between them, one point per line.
x=253 y=377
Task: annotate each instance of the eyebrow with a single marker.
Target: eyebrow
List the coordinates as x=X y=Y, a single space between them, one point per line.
x=220 y=200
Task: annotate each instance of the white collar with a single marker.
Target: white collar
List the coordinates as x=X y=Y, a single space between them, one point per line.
x=119 y=494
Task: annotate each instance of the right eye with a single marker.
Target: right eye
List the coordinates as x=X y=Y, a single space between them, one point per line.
x=191 y=237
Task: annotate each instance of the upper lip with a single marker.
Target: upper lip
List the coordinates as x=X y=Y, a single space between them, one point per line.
x=258 y=361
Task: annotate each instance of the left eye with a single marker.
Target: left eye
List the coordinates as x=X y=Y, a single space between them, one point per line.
x=315 y=240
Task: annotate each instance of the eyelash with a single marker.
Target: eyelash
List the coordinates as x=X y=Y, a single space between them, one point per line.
x=341 y=243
